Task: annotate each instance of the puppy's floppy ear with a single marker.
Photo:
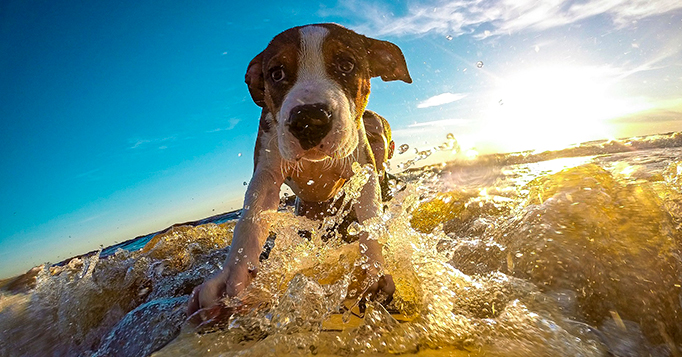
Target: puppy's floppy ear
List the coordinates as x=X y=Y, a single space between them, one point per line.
x=254 y=79
x=387 y=61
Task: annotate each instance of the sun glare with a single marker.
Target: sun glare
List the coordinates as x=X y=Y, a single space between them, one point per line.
x=552 y=107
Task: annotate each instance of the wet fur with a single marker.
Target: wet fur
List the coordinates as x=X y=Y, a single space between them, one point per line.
x=313 y=61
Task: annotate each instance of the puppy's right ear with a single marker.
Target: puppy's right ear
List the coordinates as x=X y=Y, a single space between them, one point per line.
x=386 y=60
x=254 y=79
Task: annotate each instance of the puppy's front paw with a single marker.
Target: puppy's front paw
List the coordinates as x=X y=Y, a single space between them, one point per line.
x=371 y=283
x=382 y=290
x=205 y=304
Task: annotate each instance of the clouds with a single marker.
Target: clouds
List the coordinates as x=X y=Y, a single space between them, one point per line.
x=441 y=99
x=160 y=143
x=441 y=123
x=434 y=128
x=483 y=18
x=231 y=124
x=165 y=142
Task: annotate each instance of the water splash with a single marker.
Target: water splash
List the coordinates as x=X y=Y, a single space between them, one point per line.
x=538 y=261
x=450 y=145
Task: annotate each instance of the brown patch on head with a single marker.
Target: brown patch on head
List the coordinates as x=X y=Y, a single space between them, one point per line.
x=275 y=70
x=350 y=59
x=345 y=57
x=353 y=59
x=384 y=59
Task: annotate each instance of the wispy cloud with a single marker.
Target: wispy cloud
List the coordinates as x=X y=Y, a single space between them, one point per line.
x=94 y=217
x=484 y=18
x=137 y=143
x=441 y=99
x=231 y=124
x=92 y=175
x=433 y=128
x=441 y=123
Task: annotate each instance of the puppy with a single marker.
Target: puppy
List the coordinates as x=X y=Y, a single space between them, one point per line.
x=313 y=83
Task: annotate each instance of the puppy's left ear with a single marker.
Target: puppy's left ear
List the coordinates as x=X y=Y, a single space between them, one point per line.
x=254 y=79
x=387 y=61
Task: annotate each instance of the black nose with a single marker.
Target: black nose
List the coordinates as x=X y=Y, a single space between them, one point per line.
x=309 y=123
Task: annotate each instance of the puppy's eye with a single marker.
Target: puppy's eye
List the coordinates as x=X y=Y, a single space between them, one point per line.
x=345 y=66
x=277 y=74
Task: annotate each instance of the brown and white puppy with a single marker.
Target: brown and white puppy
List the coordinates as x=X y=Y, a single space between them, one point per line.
x=313 y=83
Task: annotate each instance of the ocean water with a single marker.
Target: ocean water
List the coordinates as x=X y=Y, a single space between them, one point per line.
x=573 y=252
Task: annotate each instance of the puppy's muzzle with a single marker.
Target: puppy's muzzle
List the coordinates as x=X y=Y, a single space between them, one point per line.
x=310 y=123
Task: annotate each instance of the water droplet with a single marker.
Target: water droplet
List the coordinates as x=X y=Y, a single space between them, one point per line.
x=239 y=155
x=448 y=37
x=363 y=248
x=354 y=228
x=346 y=317
x=310 y=182
x=403 y=148
x=501 y=102
x=479 y=64
x=450 y=136
x=405 y=165
x=240 y=250
x=424 y=154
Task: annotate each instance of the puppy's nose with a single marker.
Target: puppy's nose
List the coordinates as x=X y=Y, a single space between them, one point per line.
x=309 y=123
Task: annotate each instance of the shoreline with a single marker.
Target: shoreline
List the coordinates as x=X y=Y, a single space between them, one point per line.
x=20 y=282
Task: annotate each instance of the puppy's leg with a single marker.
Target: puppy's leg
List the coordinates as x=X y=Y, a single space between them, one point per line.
x=379 y=284
x=250 y=233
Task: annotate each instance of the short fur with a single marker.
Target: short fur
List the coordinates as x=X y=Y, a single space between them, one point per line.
x=316 y=66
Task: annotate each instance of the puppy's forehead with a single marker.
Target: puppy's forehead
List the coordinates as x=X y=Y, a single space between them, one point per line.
x=287 y=41
x=311 y=58
x=313 y=36
x=344 y=36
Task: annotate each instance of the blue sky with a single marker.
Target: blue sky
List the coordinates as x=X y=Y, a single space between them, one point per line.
x=121 y=118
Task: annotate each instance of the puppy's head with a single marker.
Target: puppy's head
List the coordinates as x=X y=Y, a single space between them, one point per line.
x=315 y=81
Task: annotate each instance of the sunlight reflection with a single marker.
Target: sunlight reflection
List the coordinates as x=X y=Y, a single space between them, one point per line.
x=549 y=167
x=552 y=107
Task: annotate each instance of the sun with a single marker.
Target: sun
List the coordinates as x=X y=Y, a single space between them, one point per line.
x=555 y=106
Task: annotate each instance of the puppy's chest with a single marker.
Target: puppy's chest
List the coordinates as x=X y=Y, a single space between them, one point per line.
x=317 y=181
